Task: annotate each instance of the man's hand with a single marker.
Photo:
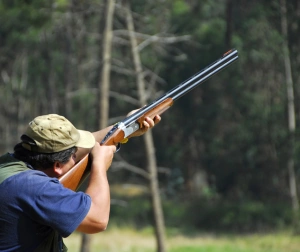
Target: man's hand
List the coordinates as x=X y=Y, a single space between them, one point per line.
x=102 y=156
x=148 y=123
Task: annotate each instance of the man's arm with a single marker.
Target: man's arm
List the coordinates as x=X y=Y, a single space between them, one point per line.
x=98 y=189
x=100 y=134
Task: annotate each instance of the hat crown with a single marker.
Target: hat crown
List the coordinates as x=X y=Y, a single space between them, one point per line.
x=52 y=133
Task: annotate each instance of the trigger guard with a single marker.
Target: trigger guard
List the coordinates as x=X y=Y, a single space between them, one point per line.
x=118 y=147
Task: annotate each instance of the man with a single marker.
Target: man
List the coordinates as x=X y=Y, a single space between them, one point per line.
x=36 y=210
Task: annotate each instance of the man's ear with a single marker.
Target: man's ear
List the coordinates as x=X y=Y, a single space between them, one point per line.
x=57 y=169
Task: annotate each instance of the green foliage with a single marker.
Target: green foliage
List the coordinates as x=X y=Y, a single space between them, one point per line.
x=21 y=22
x=61 y=3
x=205 y=215
x=136 y=212
x=244 y=216
x=180 y=7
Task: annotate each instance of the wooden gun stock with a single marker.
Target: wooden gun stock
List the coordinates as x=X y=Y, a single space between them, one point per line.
x=73 y=178
x=120 y=131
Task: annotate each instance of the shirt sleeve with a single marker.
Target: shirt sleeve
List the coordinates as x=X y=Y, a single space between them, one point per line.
x=53 y=205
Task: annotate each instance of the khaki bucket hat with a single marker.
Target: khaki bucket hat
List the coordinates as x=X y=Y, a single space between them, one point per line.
x=54 y=133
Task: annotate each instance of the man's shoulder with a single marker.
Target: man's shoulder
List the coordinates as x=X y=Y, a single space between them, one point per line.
x=8 y=158
x=10 y=166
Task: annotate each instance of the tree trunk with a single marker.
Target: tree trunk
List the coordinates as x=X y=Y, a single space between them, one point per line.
x=21 y=92
x=81 y=47
x=68 y=108
x=105 y=75
x=85 y=243
x=291 y=112
x=103 y=87
x=228 y=33
x=150 y=150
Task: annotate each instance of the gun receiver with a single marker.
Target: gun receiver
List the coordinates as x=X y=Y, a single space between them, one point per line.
x=134 y=122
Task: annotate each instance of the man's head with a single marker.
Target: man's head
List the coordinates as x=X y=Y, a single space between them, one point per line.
x=50 y=141
x=53 y=133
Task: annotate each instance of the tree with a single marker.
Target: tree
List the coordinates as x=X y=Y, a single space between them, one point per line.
x=148 y=138
x=291 y=113
x=105 y=74
x=104 y=86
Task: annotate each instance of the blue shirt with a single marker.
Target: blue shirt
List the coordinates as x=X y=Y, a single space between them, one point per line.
x=33 y=205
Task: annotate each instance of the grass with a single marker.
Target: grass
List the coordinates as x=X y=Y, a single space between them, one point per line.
x=130 y=240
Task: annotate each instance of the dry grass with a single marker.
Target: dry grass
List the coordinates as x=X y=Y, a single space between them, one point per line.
x=129 y=240
x=115 y=240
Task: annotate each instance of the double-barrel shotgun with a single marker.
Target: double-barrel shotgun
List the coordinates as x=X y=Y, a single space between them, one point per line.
x=73 y=178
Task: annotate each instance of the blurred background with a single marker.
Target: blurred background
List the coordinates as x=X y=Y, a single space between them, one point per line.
x=221 y=170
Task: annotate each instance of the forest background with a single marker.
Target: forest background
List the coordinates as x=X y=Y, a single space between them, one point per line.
x=227 y=153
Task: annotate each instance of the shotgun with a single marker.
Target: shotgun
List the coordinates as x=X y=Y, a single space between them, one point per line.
x=73 y=178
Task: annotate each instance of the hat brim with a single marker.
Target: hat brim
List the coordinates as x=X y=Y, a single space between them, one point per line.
x=86 y=140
